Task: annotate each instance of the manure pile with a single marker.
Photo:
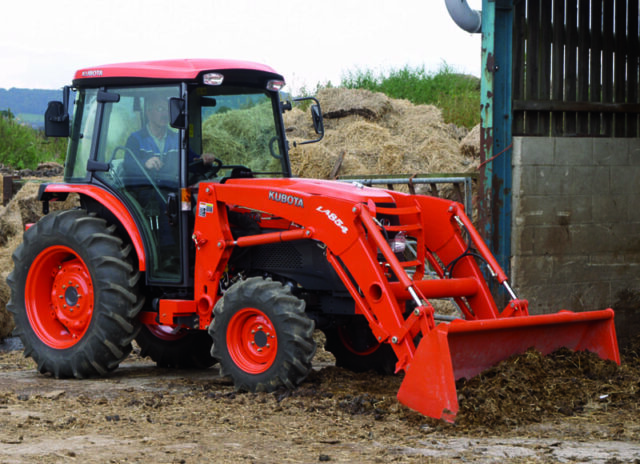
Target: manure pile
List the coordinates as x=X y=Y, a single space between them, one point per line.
x=529 y=388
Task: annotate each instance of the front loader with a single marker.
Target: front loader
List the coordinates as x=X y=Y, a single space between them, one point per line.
x=193 y=239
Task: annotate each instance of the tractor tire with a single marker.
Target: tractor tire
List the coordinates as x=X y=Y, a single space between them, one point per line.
x=74 y=295
x=262 y=337
x=186 y=349
x=355 y=348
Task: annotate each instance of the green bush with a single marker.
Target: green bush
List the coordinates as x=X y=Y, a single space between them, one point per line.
x=457 y=95
x=23 y=147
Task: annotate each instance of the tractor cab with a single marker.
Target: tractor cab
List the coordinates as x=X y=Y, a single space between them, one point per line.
x=150 y=132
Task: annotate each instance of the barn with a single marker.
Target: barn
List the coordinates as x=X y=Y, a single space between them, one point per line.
x=560 y=142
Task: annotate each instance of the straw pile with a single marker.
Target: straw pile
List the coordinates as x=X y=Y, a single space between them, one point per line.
x=368 y=133
x=24 y=208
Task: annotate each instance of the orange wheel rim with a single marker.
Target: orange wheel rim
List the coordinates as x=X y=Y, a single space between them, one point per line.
x=59 y=297
x=252 y=341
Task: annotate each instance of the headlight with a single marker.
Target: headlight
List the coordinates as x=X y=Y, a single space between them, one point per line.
x=399 y=243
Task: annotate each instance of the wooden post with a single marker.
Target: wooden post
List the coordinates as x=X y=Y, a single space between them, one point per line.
x=7 y=188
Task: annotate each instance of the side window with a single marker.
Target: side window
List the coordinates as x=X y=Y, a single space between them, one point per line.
x=81 y=135
x=121 y=119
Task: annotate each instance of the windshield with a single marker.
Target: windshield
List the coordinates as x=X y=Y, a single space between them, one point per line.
x=237 y=126
x=79 y=149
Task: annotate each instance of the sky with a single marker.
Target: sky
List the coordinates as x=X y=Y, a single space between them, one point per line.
x=43 y=42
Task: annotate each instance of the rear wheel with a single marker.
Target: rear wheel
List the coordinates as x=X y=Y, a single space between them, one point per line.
x=355 y=348
x=74 y=295
x=261 y=336
x=188 y=349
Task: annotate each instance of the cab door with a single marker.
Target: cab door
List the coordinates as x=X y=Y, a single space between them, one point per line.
x=140 y=154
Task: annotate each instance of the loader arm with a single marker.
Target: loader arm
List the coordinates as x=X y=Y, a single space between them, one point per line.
x=355 y=224
x=343 y=218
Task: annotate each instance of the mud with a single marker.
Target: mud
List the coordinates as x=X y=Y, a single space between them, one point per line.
x=529 y=409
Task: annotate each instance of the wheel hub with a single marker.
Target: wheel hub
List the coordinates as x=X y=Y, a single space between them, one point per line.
x=260 y=338
x=71 y=286
x=71 y=296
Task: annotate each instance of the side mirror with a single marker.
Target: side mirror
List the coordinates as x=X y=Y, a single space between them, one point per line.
x=177 y=113
x=56 y=120
x=316 y=117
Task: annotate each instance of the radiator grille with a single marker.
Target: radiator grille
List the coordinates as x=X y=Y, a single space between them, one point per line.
x=277 y=256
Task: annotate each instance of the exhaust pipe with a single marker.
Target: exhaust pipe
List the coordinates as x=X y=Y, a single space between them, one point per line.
x=462 y=14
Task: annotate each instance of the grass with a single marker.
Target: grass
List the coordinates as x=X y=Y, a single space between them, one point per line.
x=457 y=95
x=23 y=147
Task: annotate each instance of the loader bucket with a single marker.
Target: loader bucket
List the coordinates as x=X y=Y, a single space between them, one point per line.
x=462 y=349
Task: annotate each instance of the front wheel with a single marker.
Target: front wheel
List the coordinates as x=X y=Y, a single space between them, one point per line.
x=74 y=295
x=261 y=336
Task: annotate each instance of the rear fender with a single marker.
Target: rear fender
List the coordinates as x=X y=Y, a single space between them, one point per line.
x=110 y=202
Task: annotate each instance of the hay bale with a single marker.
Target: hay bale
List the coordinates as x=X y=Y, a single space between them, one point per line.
x=339 y=103
x=470 y=144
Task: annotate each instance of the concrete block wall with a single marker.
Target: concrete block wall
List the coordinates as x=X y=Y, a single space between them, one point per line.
x=576 y=225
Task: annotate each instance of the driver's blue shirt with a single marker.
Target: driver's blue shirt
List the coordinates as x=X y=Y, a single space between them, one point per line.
x=143 y=145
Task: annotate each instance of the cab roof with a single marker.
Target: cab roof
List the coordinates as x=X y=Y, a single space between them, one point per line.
x=167 y=70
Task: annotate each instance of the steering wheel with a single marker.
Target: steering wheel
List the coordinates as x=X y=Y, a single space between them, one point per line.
x=208 y=172
x=142 y=168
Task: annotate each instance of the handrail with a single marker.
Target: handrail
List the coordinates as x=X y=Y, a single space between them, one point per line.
x=410 y=181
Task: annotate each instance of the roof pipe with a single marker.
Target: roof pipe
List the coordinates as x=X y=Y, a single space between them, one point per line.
x=462 y=14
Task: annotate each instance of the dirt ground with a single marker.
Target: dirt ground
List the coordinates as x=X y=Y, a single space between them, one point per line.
x=561 y=408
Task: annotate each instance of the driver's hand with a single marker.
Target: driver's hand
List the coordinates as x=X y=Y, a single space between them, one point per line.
x=208 y=158
x=154 y=163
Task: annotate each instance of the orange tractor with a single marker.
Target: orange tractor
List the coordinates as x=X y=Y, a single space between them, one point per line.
x=193 y=239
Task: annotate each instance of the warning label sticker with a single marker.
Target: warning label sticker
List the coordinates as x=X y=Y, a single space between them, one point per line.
x=204 y=209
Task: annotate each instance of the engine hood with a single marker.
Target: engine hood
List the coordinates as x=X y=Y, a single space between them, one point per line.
x=330 y=189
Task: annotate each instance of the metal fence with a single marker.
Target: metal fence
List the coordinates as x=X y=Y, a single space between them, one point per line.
x=462 y=185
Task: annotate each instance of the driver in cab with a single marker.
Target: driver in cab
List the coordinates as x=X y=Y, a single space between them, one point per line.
x=157 y=144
